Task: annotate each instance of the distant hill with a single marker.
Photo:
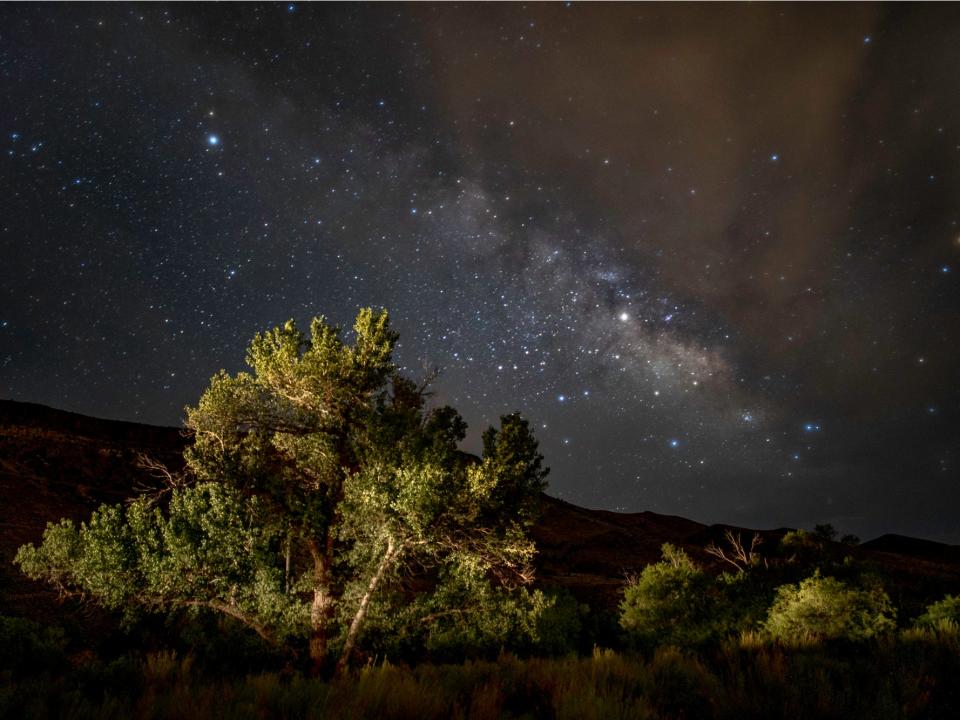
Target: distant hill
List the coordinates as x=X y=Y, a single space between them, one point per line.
x=56 y=464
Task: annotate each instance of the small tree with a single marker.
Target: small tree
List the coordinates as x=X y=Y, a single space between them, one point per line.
x=318 y=480
x=824 y=608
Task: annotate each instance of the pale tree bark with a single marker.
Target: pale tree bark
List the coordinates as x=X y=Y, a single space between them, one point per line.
x=361 y=613
x=738 y=555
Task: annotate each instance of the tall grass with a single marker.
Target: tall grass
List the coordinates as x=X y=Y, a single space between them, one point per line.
x=910 y=675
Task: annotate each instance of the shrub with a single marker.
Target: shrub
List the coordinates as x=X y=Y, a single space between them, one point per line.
x=671 y=602
x=823 y=608
x=27 y=647
x=559 y=626
x=945 y=611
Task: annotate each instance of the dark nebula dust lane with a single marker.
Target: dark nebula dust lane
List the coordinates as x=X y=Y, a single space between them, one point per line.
x=711 y=252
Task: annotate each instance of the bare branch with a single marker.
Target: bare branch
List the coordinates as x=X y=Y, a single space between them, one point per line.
x=736 y=554
x=167 y=479
x=430 y=374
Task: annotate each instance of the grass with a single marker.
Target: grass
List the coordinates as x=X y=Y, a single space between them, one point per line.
x=909 y=675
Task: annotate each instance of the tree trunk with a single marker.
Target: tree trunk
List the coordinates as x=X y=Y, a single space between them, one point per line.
x=361 y=613
x=321 y=610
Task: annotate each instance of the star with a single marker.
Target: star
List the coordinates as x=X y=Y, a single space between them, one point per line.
x=523 y=242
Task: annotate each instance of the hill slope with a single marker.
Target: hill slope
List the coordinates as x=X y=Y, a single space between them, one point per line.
x=56 y=464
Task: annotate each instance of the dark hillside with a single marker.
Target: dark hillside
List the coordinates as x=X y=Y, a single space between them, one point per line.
x=56 y=464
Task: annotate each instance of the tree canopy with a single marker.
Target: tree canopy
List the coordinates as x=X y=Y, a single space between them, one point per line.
x=317 y=485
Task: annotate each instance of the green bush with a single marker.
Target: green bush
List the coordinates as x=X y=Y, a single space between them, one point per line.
x=559 y=625
x=27 y=647
x=824 y=608
x=672 y=602
x=945 y=611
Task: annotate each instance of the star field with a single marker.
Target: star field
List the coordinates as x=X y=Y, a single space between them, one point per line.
x=709 y=252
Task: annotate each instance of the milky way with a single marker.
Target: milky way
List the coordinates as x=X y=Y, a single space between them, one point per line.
x=711 y=253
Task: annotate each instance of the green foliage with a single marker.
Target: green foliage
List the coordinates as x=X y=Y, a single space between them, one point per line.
x=210 y=545
x=944 y=612
x=560 y=625
x=802 y=545
x=27 y=647
x=464 y=616
x=824 y=608
x=672 y=602
x=320 y=485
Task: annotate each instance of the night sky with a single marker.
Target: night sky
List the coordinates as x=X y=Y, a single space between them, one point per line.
x=712 y=252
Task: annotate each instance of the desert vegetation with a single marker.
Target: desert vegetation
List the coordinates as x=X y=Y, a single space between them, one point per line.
x=908 y=674
x=328 y=551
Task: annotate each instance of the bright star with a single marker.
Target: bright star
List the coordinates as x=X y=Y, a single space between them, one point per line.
x=213 y=140
x=774 y=157
x=624 y=316
x=674 y=443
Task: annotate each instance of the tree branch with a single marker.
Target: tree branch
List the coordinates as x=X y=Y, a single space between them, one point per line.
x=361 y=613
x=236 y=613
x=740 y=557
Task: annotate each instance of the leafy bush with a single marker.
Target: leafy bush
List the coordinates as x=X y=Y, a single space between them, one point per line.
x=671 y=602
x=945 y=611
x=559 y=625
x=823 y=608
x=27 y=647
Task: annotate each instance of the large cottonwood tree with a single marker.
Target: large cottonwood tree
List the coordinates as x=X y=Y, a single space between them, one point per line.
x=315 y=482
